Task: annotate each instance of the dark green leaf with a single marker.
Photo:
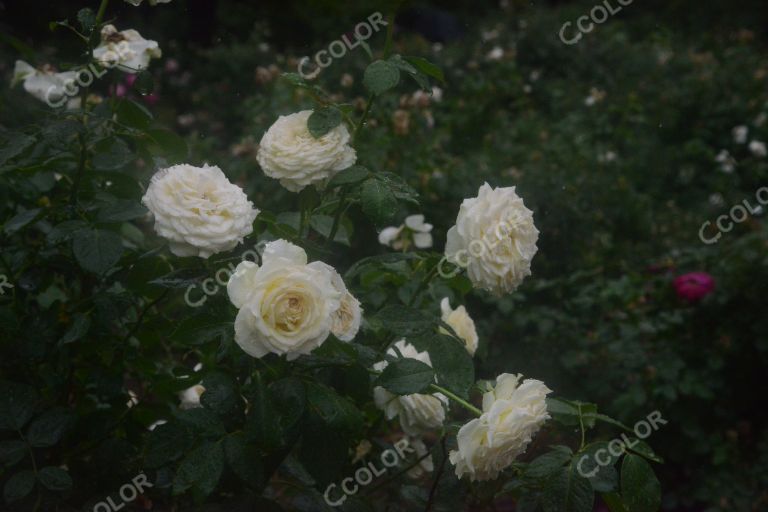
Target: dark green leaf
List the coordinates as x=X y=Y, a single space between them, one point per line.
x=323 y=120
x=17 y=404
x=406 y=376
x=55 y=479
x=640 y=489
x=598 y=467
x=11 y=452
x=77 y=330
x=111 y=154
x=120 y=210
x=20 y=220
x=48 y=429
x=380 y=76
x=19 y=486
x=97 y=250
x=349 y=176
x=426 y=67
x=378 y=202
x=452 y=363
x=244 y=459
x=133 y=114
x=200 y=470
x=167 y=443
x=221 y=395
x=548 y=464
x=566 y=491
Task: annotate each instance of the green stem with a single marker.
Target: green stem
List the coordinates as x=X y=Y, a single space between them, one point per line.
x=424 y=284
x=457 y=399
x=390 y=31
x=581 y=424
x=101 y=11
x=337 y=217
x=361 y=122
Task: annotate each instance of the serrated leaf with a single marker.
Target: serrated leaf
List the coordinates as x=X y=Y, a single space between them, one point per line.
x=132 y=114
x=640 y=489
x=48 y=429
x=111 y=154
x=79 y=328
x=19 y=486
x=567 y=491
x=546 y=465
x=20 y=220
x=11 y=452
x=200 y=470
x=349 y=176
x=426 y=67
x=97 y=250
x=55 y=479
x=406 y=376
x=378 y=202
x=323 y=120
x=380 y=76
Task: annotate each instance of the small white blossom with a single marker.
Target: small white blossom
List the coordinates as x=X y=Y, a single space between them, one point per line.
x=758 y=148
x=125 y=49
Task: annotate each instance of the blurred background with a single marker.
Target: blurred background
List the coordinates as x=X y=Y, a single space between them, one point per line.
x=623 y=144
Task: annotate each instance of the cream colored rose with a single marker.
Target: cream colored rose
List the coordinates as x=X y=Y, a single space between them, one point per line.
x=346 y=320
x=426 y=465
x=45 y=85
x=417 y=412
x=289 y=153
x=125 y=49
x=198 y=210
x=494 y=239
x=287 y=306
x=512 y=413
x=190 y=397
x=461 y=323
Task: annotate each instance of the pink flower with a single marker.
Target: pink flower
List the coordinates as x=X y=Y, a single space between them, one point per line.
x=130 y=79
x=121 y=90
x=693 y=286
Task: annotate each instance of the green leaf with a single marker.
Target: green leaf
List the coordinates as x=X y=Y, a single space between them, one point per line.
x=453 y=365
x=14 y=145
x=640 y=489
x=323 y=120
x=87 y=19
x=244 y=459
x=380 y=76
x=55 y=479
x=166 y=443
x=17 y=404
x=598 y=468
x=11 y=452
x=120 y=210
x=79 y=328
x=170 y=145
x=406 y=376
x=200 y=470
x=19 y=486
x=548 y=464
x=48 y=429
x=426 y=67
x=642 y=448
x=332 y=409
x=221 y=395
x=65 y=231
x=378 y=202
x=111 y=154
x=97 y=250
x=568 y=412
x=133 y=114
x=613 y=501
x=419 y=77
x=349 y=176
x=323 y=225
x=20 y=220
x=404 y=320
x=202 y=422
x=566 y=491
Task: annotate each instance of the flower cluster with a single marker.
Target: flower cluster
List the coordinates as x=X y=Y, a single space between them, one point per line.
x=288 y=306
x=414 y=230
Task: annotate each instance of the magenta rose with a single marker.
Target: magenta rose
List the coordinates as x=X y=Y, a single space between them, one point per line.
x=693 y=286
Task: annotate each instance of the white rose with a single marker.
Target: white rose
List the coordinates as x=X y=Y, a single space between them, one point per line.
x=461 y=323
x=494 y=239
x=512 y=414
x=190 y=397
x=426 y=465
x=287 y=306
x=289 y=153
x=198 y=210
x=48 y=86
x=414 y=230
x=758 y=148
x=125 y=49
x=740 y=134
x=151 y=2
x=417 y=412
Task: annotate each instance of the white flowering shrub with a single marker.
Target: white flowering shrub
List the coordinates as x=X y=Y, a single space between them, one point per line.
x=281 y=392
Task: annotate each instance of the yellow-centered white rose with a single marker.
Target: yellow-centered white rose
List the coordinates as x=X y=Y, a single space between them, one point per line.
x=198 y=210
x=512 y=413
x=288 y=306
x=494 y=239
x=290 y=153
x=460 y=321
x=418 y=412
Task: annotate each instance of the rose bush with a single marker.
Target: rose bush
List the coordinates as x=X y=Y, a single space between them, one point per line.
x=260 y=399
